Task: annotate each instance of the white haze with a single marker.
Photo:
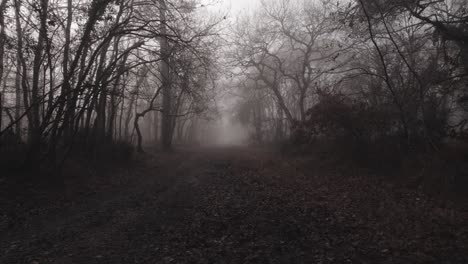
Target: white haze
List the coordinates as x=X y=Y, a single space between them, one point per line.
x=225 y=130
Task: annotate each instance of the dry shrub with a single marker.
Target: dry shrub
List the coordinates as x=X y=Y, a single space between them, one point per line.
x=117 y=151
x=351 y=125
x=12 y=151
x=360 y=135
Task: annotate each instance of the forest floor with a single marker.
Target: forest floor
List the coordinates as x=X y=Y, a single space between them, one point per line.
x=227 y=205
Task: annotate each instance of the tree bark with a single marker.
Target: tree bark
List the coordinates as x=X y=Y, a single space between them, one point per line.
x=133 y=98
x=2 y=37
x=156 y=125
x=1 y=111
x=22 y=64
x=113 y=95
x=38 y=53
x=166 y=122
x=101 y=84
x=65 y=63
x=18 y=97
x=2 y=52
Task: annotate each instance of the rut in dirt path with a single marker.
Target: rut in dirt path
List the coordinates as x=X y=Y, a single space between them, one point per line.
x=240 y=205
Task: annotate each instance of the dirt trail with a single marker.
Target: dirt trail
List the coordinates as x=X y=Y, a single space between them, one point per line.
x=239 y=205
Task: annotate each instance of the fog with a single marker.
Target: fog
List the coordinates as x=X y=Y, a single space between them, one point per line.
x=233 y=131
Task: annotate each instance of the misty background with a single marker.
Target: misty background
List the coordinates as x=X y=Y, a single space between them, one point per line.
x=224 y=131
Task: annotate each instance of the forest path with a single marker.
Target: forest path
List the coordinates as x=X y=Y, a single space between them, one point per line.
x=240 y=205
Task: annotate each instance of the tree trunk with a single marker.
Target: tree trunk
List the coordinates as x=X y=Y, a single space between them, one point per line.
x=273 y=85
x=279 y=124
x=22 y=64
x=65 y=63
x=166 y=124
x=101 y=80
x=156 y=126
x=2 y=52
x=137 y=129
x=1 y=111
x=133 y=98
x=122 y=105
x=113 y=95
x=38 y=53
x=18 y=97
x=2 y=37
x=79 y=61
x=120 y=69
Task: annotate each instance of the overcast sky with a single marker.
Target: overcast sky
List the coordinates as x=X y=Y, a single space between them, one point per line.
x=240 y=5
x=234 y=6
